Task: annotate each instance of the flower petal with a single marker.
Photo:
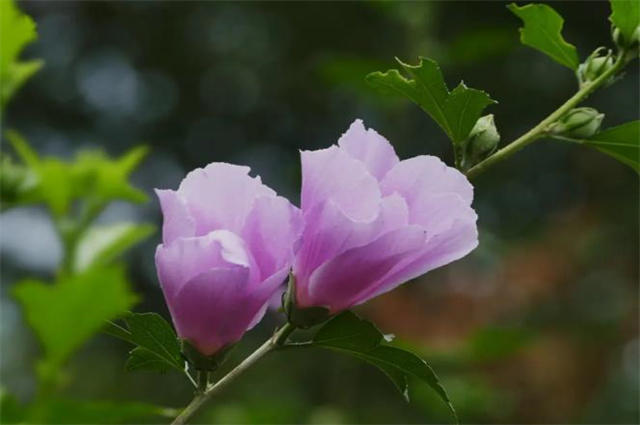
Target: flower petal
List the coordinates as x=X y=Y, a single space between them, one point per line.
x=271 y=231
x=425 y=174
x=220 y=196
x=459 y=240
x=331 y=174
x=375 y=152
x=214 y=308
x=339 y=283
x=186 y=258
x=177 y=222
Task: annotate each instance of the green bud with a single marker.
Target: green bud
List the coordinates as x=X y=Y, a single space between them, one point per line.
x=578 y=123
x=483 y=140
x=204 y=363
x=622 y=41
x=595 y=66
x=301 y=317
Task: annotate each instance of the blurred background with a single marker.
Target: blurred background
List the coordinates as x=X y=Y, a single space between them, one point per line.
x=537 y=325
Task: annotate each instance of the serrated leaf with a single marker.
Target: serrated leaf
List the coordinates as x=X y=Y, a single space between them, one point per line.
x=543 y=31
x=16 y=31
x=621 y=142
x=101 y=244
x=451 y=111
x=464 y=106
x=347 y=333
x=625 y=14
x=151 y=332
x=67 y=313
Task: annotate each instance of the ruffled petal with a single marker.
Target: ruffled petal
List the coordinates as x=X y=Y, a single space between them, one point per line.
x=329 y=232
x=220 y=196
x=177 y=222
x=339 y=283
x=332 y=175
x=271 y=232
x=441 y=249
x=414 y=177
x=367 y=146
x=185 y=258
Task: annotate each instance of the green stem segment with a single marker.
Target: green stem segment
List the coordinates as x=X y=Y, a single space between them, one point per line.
x=201 y=398
x=540 y=130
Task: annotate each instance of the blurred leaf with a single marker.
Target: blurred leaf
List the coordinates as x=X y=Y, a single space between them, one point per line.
x=16 y=181
x=91 y=175
x=155 y=338
x=11 y=412
x=16 y=31
x=625 y=14
x=477 y=45
x=621 y=142
x=65 y=314
x=455 y=112
x=542 y=31
x=101 y=244
x=494 y=343
x=348 y=333
x=67 y=411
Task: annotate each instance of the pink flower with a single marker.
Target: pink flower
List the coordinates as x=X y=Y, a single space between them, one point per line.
x=227 y=247
x=373 y=222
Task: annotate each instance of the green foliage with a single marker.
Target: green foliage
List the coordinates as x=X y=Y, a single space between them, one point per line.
x=542 y=31
x=625 y=14
x=65 y=314
x=71 y=411
x=16 y=31
x=456 y=112
x=157 y=348
x=102 y=244
x=347 y=333
x=92 y=175
x=621 y=142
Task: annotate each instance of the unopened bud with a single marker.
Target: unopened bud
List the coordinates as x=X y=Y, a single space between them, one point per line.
x=483 y=140
x=623 y=41
x=594 y=66
x=579 y=123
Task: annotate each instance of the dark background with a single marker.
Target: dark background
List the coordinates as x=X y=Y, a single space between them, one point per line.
x=538 y=325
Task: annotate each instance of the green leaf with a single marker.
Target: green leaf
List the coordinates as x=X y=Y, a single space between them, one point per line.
x=143 y=359
x=454 y=112
x=621 y=142
x=542 y=31
x=464 y=106
x=16 y=31
x=67 y=313
x=625 y=14
x=11 y=411
x=101 y=244
x=158 y=346
x=347 y=333
x=69 y=411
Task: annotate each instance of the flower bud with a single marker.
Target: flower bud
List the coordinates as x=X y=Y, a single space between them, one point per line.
x=579 y=123
x=594 y=66
x=483 y=140
x=623 y=41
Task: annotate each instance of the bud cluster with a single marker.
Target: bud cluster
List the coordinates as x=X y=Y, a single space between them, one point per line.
x=595 y=65
x=578 y=123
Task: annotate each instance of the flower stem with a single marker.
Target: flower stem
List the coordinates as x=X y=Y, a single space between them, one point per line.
x=539 y=131
x=201 y=398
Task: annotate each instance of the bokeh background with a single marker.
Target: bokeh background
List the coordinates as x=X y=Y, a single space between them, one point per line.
x=538 y=325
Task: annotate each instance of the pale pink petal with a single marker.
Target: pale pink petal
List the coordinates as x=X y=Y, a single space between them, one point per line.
x=413 y=177
x=338 y=283
x=185 y=258
x=220 y=196
x=177 y=222
x=271 y=231
x=332 y=175
x=375 y=152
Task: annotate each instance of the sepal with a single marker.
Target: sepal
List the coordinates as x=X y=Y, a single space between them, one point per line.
x=301 y=317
